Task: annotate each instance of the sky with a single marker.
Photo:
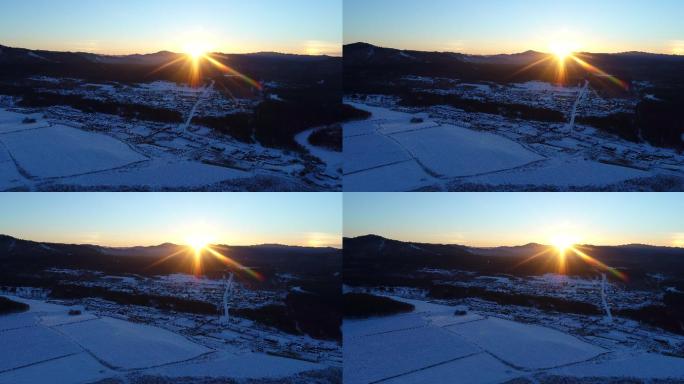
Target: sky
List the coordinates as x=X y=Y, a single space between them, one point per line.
x=505 y=219
x=511 y=26
x=130 y=219
x=147 y=26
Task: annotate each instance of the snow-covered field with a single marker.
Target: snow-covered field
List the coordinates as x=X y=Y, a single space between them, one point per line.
x=333 y=160
x=444 y=148
x=433 y=345
x=60 y=151
x=60 y=148
x=47 y=343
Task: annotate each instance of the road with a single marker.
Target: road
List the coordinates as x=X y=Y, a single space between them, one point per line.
x=582 y=93
x=604 y=302
x=186 y=124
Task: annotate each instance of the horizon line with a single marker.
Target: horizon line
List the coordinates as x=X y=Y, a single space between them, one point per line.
x=509 y=53
x=340 y=54
x=171 y=243
x=510 y=246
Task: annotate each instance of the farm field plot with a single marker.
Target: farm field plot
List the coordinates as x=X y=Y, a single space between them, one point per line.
x=60 y=151
x=524 y=345
x=127 y=345
x=239 y=365
x=49 y=341
x=89 y=370
x=32 y=345
x=380 y=356
x=479 y=368
x=182 y=143
x=454 y=151
x=411 y=348
x=444 y=148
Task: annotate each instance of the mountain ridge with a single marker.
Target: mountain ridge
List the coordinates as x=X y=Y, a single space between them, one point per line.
x=372 y=236
x=25 y=256
x=3 y=48
x=361 y=44
x=165 y=244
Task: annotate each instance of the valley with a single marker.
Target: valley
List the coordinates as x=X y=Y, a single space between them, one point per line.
x=83 y=122
x=169 y=325
x=500 y=315
x=454 y=122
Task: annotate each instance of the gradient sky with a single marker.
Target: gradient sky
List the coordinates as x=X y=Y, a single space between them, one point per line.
x=127 y=219
x=509 y=26
x=146 y=26
x=494 y=219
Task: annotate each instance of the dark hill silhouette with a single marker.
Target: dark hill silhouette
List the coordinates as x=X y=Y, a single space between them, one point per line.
x=18 y=63
x=30 y=256
x=366 y=64
x=374 y=257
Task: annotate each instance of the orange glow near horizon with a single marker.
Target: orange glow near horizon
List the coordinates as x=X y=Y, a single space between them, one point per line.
x=562 y=50
x=565 y=246
x=329 y=48
x=562 y=54
x=194 y=61
x=541 y=43
x=564 y=242
x=198 y=242
x=196 y=50
x=195 y=252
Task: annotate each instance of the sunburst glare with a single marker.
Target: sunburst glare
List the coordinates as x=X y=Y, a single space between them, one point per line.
x=196 y=50
x=563 y=242
x=562 y=50
x=198 y=242
x=196 y=248
x=195 y=61
x=562 y=54
x=567 y=246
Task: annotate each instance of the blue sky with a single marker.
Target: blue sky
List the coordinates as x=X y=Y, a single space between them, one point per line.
x=125 y=219
x=507 y=26
x=144 y=26
x=492 y=219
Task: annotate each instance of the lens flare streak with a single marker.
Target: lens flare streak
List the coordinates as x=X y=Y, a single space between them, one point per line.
x=233 y=72
x=561 y=260
x=599 y=265
x=534 y=64
x=598 y=72
x=235 y=264
x=195 y=255
x=561 y=68
x=165 y=258
x=193 y=65
x=536 y=255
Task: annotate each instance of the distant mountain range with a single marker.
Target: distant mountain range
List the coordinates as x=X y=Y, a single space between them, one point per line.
x=372 y=254
x=10 y=54
x=365 y=62
x=25 y=255
x=20 y=62
x=357 y=53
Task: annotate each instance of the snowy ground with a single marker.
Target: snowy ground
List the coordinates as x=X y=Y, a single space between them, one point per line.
x=65 y=149
x=443 y=148
x=433 y=345
x=241 y=334
x=332 y=159
x=47 y=342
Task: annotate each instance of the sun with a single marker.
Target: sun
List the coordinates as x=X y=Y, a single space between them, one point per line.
x=198 y=242
x=196 y=50
x=563 y=242
x=562 y=50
